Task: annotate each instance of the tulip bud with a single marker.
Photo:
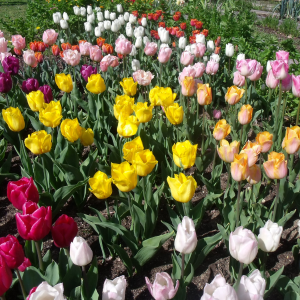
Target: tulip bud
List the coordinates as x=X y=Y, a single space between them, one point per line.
x=106 y=14
x=126 y=16
x=287 y=83
x=144 y=22
x=99 y=16
x=245 y=114
x=221 y=130
x=296 y=86
x=114 y=289
x=227 y=151
x=89 y=9
x=57 y=17
x=210 y=46
x=138 y=42
x=229 y=50
x=217 y=114
x=238 y=79
x=234 y=95
x=291 y=141
x=15 y=121
x=46 y=291
x=271 y=81
x=82 y=11
x=212 y=67
x=264 y=139
x=64 y=24
x=200 y=38
x=107 y=25
x=91 y=18
x=97 y=31
x=112 y=16
x=119 y=8
x=87 y=26
x=132 y=19
x=5 y=275
x=121 y=19
x=280 y=69
x=135 y=64
x=65 y=16
x=182 y=42
x=76 y=10
x=80 y=252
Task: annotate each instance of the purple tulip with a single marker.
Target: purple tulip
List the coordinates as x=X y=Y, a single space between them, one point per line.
x=5 y=82
x=86 y=71
x=11 y=65
x=30 y=85
x=46 y=90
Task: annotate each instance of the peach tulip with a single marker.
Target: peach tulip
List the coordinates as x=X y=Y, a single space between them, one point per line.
x=252 y=150
x=221 y=130
x=276 y=166
x=264 y=139
x=245 y=114
x=227 y=151
x=291 y=141
x=239 y=167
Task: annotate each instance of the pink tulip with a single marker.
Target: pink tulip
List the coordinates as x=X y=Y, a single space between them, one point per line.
x=3 y=55
x=5 y=275
x=142 y=77
x=29 y=58
x=50 y=37
x=282 y=55
x=217 y=114
x=286 y=83
x=280 y=69
x=296 y=85
x=238 y=79
x=246 y=66
x=1 y=34
x=71 y=57
x=212 y=67
x=84 y=48
x=164 y=54
x=150 y=49
x=257 y=73
x=199 y=68
x=186 y=58
x=271 y=81
x=18 y=42
x=187 y=72
x=96 y=53
x=123 y=46
x=3 y=45
x=200 y=50
x=26 y=263
x=108 y=61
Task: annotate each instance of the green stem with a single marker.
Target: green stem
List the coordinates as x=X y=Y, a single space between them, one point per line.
x=239 y=276
x=67 y=251
x=203 y=129
x=38 y=250
x=21 y=284
x=144 y=189
x=242 y=134
x=124 y=66
x=177 y=131
x=276 y=200
x=214 y=161
x=7 y=103
x=283 y=108
x=264 y=262
x=246 y=88
x=160 y=73
x=130 y=209
x=121 y=148
x=229 y=65
x=277 y=111
x=297 y=119
x=107 y=209
x=45 y=174
x=229 y=175
x=237 y=218
x=182 y=265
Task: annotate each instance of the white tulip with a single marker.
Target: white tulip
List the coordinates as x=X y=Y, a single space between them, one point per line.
x=215 y=57
x=146 y=40
x=89 y=9
x=97 y=9
x=205 y=58
x=164 y=35
x=144 y=22
x=269 y=236
x=82 y=11
x=87 y=26
x=63 y=24
x=107 y=25
x=269 y=66
x=210 y=46
x=97 y=31
x=138 y=42
x=76 y=10
x=121 y=19
x=80 y=252
x=112 y=16
x=229 y=50
x=182 y=42
x=115 y=26
x=62 y=41
x=129 y=30
x=164 y=46
x=91 y=18
x=133 y=51
x=65 y=16
x=132 y=19
x=119 y=8
x=100 y=16
x=126 y=16
x=114 y=289
x=135 y=64
x=139 y=31
x=57 y=17
x=101 y=26
x=188 y=48
x=200 y=38
x=46 y=292
x=241 y=56
x=106 y=14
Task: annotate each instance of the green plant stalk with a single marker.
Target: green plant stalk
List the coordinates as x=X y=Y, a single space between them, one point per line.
x=246 y=91
x=203 y=129
x=229 y=175
x=182 y=265
x=283 y=108
x=297 y=119
x=38 y=250
x=269 y=99
x=7 y=103
x=264 y=262
x=124 y=66
x=177 y=131
x=276 y=200
x=144 y=189
x=277 y=110
x=237 y=218
x=242 y=134
x=120 y=145
x=130 y=209
x=45 y=174
x=214 y=161
x=160 y=73
x=21 y=284
x=239 y=276
x=107 y=209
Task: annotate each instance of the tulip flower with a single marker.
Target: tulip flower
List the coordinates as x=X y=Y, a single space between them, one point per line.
x=71 y=129
x=164 y=55
x=243 y=245
x=129 y=86
x=188 y=71
x=71 y=57
x=11 y=251
x=3 y=45
x=46 y=90
x=282 y=55
x=26 y=263
x=229 y=50
x=51 y=115
x=265 y=140
x=160 y=96
x=100 y=185
x=269 y=236
x=296 y=85
x=123 y=46
x=127 y=126
x=184 y=154
x=186 y=58
x=199 y=69
x=246 y=67
x=150 y=49
x=221 y=130
x=114 y=289
x=87 y=137
x=11 y=65
x=182 y=188
x=18 y=42
x=22 y=191
x=234 y=95
x=5 y=275
x=135 y=65
x=13 y=118
x=257 y=73
x=239 y=167
x=188 y=86
x=245 y=114
x=276 y=166
x=280 y=69
x=212 y=67
x=162 y=287
x=287 y=83
x=142 y=77
x=227 y=151
x=5 y=82
x=144 y=161
x=130 y=148
x=39 y=142
x=271 y=81
x=291 y=141
x=35 y=223
x=124 y=176
x=143 y=112
x=80 y=252
x=174 y=113
x=204 y=94
x=96 y=84
x=254 y=176
x=218 y=289
x=46 y=291
x=217 y=114
x=182 y=42
x=124 y=106
x=30 y=85
x=108 y=61
x=50 y=36
x=238 y=79
x=64 y=82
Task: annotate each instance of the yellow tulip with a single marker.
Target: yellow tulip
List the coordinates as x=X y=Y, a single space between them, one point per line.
x=87 y=137
x=227 y=151
x=276 y=166
x=291 y=141
x=204 y=94
x=234 y=95
x=64 y=82
x=245 y=114
x=123 y=108
x=129 y=86
x=127 y=126
x=39 y=142
x=145 y=162
x=174 y=113
x=184 y=154
x=162 y=96
x=13 y=118
x=265 y=140
x=143 y=112
x=124 y=176
x=96 y=84
x=71 y=130
x=124 y=98
x=182 y=187
x=100 y=185
x=239 y=167
x=51 y=115
x=221 y=130
x=35 y=100
x=130 y=148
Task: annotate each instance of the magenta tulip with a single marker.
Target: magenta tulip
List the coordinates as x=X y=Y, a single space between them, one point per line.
x=5 y=275
x=30 y=85
x=11 y=65
x=296 y=85
x=11 y=251
x=86 y=71
x=26 y=263
x=46 y=90
x=5 y=82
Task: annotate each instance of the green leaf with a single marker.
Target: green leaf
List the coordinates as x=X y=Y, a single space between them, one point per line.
x=284 y=219
x=271 y=282
x=30 y=253
x=90 y=281
x=32 y=277
x=47 y=259
x=52 y=274
x=72 y=278
x=63 y=263
x=76 y=293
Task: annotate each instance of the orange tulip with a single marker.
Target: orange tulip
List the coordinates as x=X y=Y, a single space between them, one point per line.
x=234 y=95
x=227 y=151
x=100 y=41
x=276 y=166
x=291 y=141
x=107 y=48
x=55 y=50
x=239 y=167
x=245 y=114
x=204 y=94
x=39 y=57
x=252 y=150
x=222 y=129
x=254 y=174
x=264 y=139
x=66 y=46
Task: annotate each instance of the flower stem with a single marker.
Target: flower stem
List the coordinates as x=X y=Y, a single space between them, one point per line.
x=239 y=276
x=45 y=175
x=297 y=119
x=214 y=161
x=160 y=73
x=203 y=129
x=229 y=65
x=238 y=206
x=144 y=189
x=21 y=284
x=107 y=209
x=6 y=96
x=38 y=250
x=276 y=200
x=182 y=265
x=264 y=262
x=242 y=134
x=229 y=175
x=130 y=209
x=283 y=108
x=246 y=88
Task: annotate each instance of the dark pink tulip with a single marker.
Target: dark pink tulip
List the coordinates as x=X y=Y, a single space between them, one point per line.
x=5 y=276
x=5 y=82
x=280 y=69
x=11 y=251
x=296 y=85
x=286 y=83
x=46 y=90
x=11 y=65
x=26 y=263
x=30 y=85
x=282 y=55
x=257 y=73
x=271 y=81
x=86 y=71
x=217 y=114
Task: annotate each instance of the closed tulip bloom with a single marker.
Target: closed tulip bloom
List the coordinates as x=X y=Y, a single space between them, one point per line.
x=150 y=49
x=18 y=42
x=276 y=166
x=269 y=237
x=246 y=66
x=124 y=176
x=119 y=8
x=76 y=10
x=188 y=86
x=82 y=11
x=129 y=86
x=252 y=287
x=96 y=84
x=132 y=19
x=143 y=112
x=238 y=79
x=87 y=137
x=217 y=114
x=29 y=58
x=234 y=95
x=86 y=71
x=221 y=130
x=144 y=161
x=291 y=141
x=182 y=188
x=142 y=77
x=11 y=65
x=271 y=81
x=124 y=108
x=164 y=54
x=254 y=174
x=95 y=53
x=89 y=9
x=5 y=275
x=212 y=67
x=55 y=50
x=21 y=191
x=3 y=45
x=182 y=42
x=280 y=69
x=287 y=83
x=100 y=185
x=204 y=94
x=108 y=61
x=296 y=85
x=252 y=150
x=239 y=167
x=13 y=118
x=186 y=58
x=218 y=289
x=243 y=245
x=188 y=71
x=71 y=129
x=100 y=16
x=162 y=287
x=257 y=72
x=114 y=289
x=64 y=231
x=35 y=100
x=160 y=96
x=198 y=49
x=35 y=223
x=80 y=252
x=50 y=115
x=30 y=85
x=5 y=82
x=139 y=31
x=87 y=27
x=63 y=24
x=106 y=14
x=174 y=113
x=227 y=151
x=46 y=90
x=112 y=16
x=215 y=57
x=39 y=142
x=64 y=82
x=229 y=50
x=265 y=140
x=26 y=263
x=133 y=62
x=50 y=36
x=127 y=126
x=210 y=46
x=282 y=55
x=184 y=154
x=245 y=114
x=138 y=42
x=85 y=48
x=123 y=46
x=130 y=148
x=199 y=69
x=11 y=251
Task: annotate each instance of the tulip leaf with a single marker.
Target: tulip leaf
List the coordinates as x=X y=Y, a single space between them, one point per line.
x=71 y=279
x=291 y=295
x=52 y=274
x=174 y=217
x=76 y=293
x=284 y=219
x=90 y=281
x=271 y=282
x=92 y=106
x=63 y=263
x=88 y=166
x=30 y=253
x=32 y=277
x=47 y=259
x=124 y=257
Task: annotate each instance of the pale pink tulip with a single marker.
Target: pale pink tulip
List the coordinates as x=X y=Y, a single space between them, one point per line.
x=85 y=48
x=186 y=58
x=18 y=42
x=286 y=83
x=271 y=81
x=257 y=73
x=199 y=67
x=3 y=45
x=150 y=49
x=29 y=58
x=246 y=66
x=187 y=72
x=95 y=53
x=212 y=67
x=72 y=57
x=164 y=54
x=199 y=50
x=280 y=69
x=296 y=85
x=50 y=37
x=282 y=55
x=142 y=77
x=238 y=79
x=1 y=34
x=123 y=46
x=108 y=61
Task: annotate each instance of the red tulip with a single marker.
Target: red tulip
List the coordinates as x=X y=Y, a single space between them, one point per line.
x=11 y=251
x=5 y=275
x=26 y=263
x=64 y=231
x=21 y=191
x=35 y=223
x=55 y=50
